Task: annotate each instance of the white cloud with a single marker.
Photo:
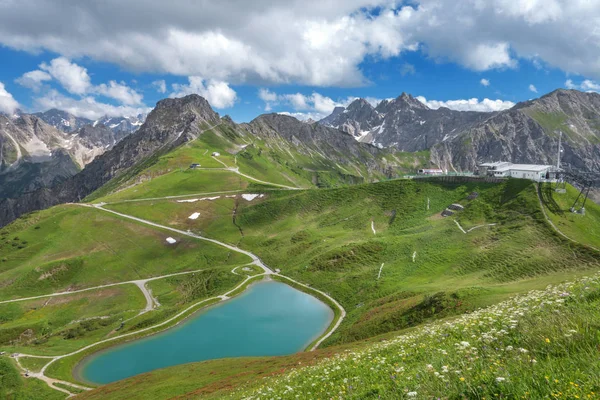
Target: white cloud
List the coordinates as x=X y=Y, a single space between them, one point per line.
x=303 y=116
x=120 y=92
x=311 y=42
x=218 y=93
x=533 y=88
x=86 y=107
x=587 y=85
x=33 y=79
x=160 y=85
x=7 y=102
x=266 y=95
x=71 y=76
x=484 y=82
x=298 y=101
x=473 y=104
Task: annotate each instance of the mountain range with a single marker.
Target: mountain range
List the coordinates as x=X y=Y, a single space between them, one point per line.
x=40 y=163
x=459 y=140
x=43 y=149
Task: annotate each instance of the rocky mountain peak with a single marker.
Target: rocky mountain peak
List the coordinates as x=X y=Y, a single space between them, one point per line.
x=405 y=100
x=359 y=105
x=190 y=106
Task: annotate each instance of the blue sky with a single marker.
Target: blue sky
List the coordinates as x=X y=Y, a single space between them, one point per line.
x=294 y=58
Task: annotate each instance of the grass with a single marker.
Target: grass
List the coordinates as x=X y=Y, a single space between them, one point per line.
x=181 y=182
x=33 y=364
x=431 y=270
x=324 y=238
x=583 y=228
x=69 y=247
x=14 y=386
x=540 y=345
x=58 y=325
x=185 y=289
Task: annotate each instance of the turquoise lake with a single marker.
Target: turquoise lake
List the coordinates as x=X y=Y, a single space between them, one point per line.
x=268 y=319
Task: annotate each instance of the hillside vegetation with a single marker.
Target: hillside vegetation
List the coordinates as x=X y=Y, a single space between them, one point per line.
x=382 y=250
x=431 y=268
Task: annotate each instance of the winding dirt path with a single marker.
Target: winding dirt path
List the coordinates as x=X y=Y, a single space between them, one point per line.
x=135 y=282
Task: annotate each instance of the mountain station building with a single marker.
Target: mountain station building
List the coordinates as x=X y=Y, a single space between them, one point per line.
x=537 y=173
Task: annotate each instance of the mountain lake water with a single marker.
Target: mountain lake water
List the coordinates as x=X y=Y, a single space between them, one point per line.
x=269 y=319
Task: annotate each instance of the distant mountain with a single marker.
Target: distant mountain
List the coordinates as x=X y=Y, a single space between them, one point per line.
x=122 y=126
x=171 y=123
x=66 y=122
x=315 y=140
x=528 y=133
x=403 y=123
x=459 y=140
x=62 y=120
x=35 y=154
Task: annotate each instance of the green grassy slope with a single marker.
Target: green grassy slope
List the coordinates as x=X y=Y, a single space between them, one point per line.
x=324 y=238
x=71 y=247
x=583 y=228
x=68 y=248
x=382 y=250
x=14 y=387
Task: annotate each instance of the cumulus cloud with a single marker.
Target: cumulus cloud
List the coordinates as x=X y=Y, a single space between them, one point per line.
x=71 y=76
x=76 y=80
x=8 y=104
x=85 y=107
x=33 y=79
x=316 y=42
x=484 y=82
x=473 y=104
x=586 y=85
x=218 y=93
x=532 y=88
x=160 y=86
x=120 y=92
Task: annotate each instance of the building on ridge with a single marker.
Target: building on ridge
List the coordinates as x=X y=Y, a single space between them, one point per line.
x=534 y=172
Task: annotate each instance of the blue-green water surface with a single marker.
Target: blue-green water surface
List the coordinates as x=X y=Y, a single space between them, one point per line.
x=268 y=319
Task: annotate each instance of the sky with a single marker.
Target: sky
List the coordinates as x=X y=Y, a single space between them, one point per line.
x=301 y=57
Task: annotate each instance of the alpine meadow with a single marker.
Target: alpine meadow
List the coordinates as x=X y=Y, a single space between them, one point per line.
x=300 y=200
